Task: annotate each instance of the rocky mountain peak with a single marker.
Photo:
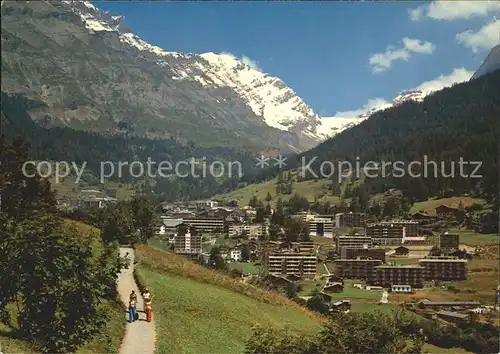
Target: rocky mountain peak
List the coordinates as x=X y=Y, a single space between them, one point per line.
x=490 y=64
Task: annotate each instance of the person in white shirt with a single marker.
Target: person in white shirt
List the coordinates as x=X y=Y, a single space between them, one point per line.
x=147 y=296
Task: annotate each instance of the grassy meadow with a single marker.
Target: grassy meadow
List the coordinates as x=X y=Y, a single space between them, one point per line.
x=470 y=238
x=454 y=202
x=203 y=311
x=308 y=189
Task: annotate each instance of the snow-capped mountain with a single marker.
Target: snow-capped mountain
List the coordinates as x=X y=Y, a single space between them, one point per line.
x=268 y=97
x=334 y=125
x=92 y=72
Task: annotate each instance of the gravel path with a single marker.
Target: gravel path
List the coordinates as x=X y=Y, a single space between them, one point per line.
x=140 y=335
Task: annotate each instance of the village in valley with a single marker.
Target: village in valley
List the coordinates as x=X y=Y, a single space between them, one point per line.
x=344 y=260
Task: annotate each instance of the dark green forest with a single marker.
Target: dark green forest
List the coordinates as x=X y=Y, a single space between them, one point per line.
x=66 y=144
x=460 y=121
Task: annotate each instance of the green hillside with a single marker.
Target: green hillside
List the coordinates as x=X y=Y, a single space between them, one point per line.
x=460 y=122
x=308 y=189
x=198 y=310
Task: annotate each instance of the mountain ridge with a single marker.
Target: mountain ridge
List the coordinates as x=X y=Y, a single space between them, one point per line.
x=491 y=63
x=118 y=81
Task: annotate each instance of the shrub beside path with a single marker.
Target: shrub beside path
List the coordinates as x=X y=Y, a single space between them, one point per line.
x=140 y=335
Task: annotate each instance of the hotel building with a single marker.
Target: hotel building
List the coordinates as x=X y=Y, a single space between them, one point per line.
x=356 y=268
x=448 y=243
x=353 y=241
x=291 y=263
x=386 y=233
x=188 y=243
x=355 y=253
x=208 y=224
x=388 y=275
x=349 y=220
x=444 y=269
x=321 y=227
x=256 y=230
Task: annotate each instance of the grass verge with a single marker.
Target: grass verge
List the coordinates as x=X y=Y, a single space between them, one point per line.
x=203 y=311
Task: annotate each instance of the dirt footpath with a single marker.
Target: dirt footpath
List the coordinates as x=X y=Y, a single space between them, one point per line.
x=140 y=335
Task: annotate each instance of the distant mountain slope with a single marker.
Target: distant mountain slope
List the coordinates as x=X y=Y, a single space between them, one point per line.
x=94 y=73
x=90 y=149
x=490 y=64
x=332 y=126
x=461 y=122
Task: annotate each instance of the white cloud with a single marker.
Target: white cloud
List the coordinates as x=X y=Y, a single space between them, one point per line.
x=458 y=75
x=245 y=60
x=454 y=10
x=372 y=103
x=251 y=63
x=486 y=38
x=342 y=120
x=383 y=61
x=415 y=45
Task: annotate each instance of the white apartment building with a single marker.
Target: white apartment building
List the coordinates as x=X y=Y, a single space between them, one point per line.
x=256 y=230
x=206 y=203
x=235 y=255
x=188 y=243
x=351 y=219
x=320 y=227
x=355 y=241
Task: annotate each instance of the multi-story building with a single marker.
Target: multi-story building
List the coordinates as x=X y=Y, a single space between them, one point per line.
x=235 y=255
x=389 y=275
x=206 y=203
x=188 y=243
x=355 y=253
x=321 y=227
x=411 y=226
x=303 y=216
x=169 y=226
x=356 y=268
x=208 y=224
x=444 y=269
x=304 y=247
x=448 y=243
x=256 y=230
x=291 y=263
x=353 y=241
x=386 y=233
x=350 y=220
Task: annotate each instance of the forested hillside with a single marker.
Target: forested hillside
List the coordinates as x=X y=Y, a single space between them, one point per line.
x=457 y=122
x=66 y=144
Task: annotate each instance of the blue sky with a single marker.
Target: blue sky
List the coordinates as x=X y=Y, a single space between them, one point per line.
x=322 y=50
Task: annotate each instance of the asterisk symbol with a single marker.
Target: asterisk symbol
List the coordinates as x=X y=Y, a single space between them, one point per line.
x=280 y=161
x=262 y=161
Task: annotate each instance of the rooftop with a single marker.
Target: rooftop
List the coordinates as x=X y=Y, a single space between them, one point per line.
x=415 y=266
x=453 y=314
x=443 y=260
x=357 y=260
x=172 y=222
x=450 y=303
x=354 y=236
